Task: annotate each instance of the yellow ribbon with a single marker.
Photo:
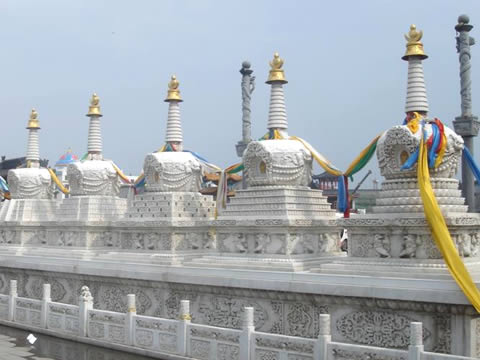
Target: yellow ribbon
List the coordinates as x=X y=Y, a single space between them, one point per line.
x=440 y=232
x=121 y=174
x=324 y=163
x=57 y=182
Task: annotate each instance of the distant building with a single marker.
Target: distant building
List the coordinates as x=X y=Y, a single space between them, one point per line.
x=362 y=199
x=61 y=169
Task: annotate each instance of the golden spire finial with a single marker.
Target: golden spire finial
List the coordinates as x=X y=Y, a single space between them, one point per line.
x=173 y=92
x=277 y=74
x=33 y=122
x=414 y=45
x=94 y=108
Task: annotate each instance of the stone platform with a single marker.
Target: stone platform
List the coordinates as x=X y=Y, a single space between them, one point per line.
x=278 y=202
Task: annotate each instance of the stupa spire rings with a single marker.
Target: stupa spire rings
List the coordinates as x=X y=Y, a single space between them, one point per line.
x=94 y=109
x=414 y=44
x=276 y=75
x=416 y=90
x=277 y=114
x=33 y=148
x=33 y=122
x=94 y=147
x=174 y=133
x=173 y=93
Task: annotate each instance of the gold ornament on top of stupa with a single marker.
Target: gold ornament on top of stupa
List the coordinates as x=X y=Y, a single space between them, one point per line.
x=173 y=92
x=277 y=74
x=94 y=109
x=414 y=45
x=33 y=122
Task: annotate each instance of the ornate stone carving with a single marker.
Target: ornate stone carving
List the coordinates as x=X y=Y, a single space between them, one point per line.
x=168 y=342
x=115 y=298
x=7 y=236
x=299 y=319
x=398 y=143
x=272 y=162
x=200 y=349
x=30 y=183
x=35 y=288
x=228 y=352
x=266 y=355
x=377 y=328
x=85 y=294
x=443 y=325
x=340 y=354
x=144 y=338
x=381 y=243
x=116 y=333
x=67 y=238
x=297 y=346
x=217 y=335
x=93 y=177
x=227 y=312
x=172 y=171
x=37 y=237
x=409 y=246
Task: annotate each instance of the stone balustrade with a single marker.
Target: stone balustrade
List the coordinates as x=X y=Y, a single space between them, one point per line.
x=175 y=339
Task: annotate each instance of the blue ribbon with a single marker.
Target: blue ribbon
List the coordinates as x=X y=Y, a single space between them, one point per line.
x=342 y=199
x=432 y=155
x=471 y=163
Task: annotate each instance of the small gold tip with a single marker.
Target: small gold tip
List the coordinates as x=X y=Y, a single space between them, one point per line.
x=94 y=109
x=33 y=122
x=173 y=93
x=414 y=44
x=276 y=74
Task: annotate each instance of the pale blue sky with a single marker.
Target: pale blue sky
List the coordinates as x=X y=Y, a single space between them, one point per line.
x=342 y=59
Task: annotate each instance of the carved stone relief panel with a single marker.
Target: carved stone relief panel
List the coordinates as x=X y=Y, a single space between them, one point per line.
x=8 y=237
x=377 y=328
x=367 y=321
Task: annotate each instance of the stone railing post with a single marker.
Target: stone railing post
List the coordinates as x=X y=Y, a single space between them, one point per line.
x=45 y=300
x=415 y=349
x=85 y=303
x=248 y=327
x=11 y=300
x=185 y=318
x=131 y=313
x=324 y=337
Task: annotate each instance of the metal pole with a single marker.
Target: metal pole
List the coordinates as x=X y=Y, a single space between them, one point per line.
x=466 y=125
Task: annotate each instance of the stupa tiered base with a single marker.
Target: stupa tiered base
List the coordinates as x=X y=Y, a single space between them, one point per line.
x=92 y=208
x=26 y=210
x=160 y=205
x=403 y=196
x=279 y=202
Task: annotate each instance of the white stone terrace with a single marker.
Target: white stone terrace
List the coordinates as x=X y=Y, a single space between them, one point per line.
x=182 y=339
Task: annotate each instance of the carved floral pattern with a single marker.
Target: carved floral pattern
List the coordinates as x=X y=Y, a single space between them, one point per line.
x=377 y=328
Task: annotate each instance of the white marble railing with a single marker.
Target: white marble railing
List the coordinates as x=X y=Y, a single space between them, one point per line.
x=166 y=337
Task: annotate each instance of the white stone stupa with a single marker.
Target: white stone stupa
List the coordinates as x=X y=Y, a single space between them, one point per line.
x=173 y=177
x=31 y=187
x=94 y=182
x=278 y=171
x=402 y=231
x=278 y=196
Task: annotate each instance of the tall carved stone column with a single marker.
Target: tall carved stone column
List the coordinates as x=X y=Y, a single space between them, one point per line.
x=248 y=85
x=466 y=125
